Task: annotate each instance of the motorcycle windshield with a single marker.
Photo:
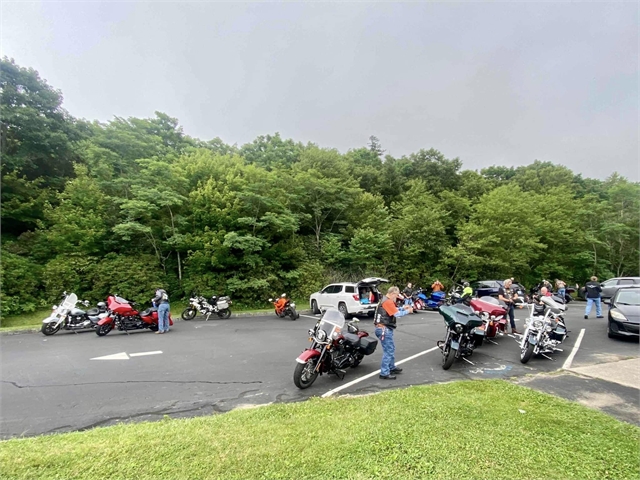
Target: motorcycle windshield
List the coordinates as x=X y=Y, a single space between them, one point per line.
x=552 y=305
x=332 y=321
x=69 y=302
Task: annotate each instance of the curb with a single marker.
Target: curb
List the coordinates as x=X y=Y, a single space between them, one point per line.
x=233 y=315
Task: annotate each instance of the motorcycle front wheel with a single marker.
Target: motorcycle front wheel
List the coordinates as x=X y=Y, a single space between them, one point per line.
x=293 y=314
x=49 y=328
x=224 y=313
x=448 y=356
x=189 y=314
x=527 y=352
x=102 y=330
x=305 y=374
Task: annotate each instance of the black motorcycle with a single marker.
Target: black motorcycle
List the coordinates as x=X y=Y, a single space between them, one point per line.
x=463 y=335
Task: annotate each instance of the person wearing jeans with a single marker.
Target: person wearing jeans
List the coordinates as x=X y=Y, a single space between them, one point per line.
x=161 y=300
x=561 y=288
x=592 y=292
x=385 y=324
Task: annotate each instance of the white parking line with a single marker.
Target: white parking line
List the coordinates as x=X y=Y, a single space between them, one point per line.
x=309 y=316
x=567 y=362
x=373 y=374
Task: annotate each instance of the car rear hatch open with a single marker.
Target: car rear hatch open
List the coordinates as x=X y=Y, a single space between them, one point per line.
x=368 y=289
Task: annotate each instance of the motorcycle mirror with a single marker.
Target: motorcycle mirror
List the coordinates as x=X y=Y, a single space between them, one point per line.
x=271 y=299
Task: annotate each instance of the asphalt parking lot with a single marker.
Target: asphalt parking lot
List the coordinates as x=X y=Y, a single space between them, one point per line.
x=78 y=381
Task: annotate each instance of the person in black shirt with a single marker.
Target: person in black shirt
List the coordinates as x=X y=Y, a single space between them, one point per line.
x=592 y=292
x=504 y=294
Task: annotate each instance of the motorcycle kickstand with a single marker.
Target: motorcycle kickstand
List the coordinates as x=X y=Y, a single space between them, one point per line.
x=546 y=356
x=491 y=341
x=468 y=361
x=208 y=315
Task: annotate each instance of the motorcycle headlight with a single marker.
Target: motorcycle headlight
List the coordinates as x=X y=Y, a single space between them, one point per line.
x=321 y=335
x=549 y=327
x=459 y=328
x=616 y=314
x=311 y=332
x=537 y=324
x=293 y=304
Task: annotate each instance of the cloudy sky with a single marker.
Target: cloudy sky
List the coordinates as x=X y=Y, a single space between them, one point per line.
x=490 y=83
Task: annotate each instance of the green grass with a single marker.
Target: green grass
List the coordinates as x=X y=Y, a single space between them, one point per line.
x=34 y=319
x=462 y=430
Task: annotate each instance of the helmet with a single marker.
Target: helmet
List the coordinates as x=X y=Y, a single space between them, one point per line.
x=102 y=304
x=465 y=284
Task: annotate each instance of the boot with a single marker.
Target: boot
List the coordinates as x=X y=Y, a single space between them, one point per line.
x=514 y=331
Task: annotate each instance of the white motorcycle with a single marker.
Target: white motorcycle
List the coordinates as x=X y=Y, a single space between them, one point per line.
x=545 y=329
x=199 y=304
x=66 y=316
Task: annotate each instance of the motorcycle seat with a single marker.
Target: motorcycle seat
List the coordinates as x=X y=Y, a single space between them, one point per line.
x=351 y=338
x=148 y=311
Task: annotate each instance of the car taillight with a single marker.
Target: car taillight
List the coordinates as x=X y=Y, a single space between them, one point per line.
x=356 y=298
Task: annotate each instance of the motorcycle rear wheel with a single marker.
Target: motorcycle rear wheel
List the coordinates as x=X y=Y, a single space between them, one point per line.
x=224 y=313
x=293 y=314
x=189 y=314
x=102 y=330
x=527 y=352
x=448 y=356
x=49 y=328
x=304 y=375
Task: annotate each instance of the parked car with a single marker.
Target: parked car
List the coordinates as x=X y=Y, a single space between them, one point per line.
x=624 y=312
x=611 y=286
x=489 y=288
x=350 y=299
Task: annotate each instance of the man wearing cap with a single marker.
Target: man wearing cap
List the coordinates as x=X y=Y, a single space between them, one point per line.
x=385 y=323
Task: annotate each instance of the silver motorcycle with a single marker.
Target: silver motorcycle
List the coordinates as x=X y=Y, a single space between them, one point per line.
x=544 y=329
x=199 y=304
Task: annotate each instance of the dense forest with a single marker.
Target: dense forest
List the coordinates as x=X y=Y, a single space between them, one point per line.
x=132 y=204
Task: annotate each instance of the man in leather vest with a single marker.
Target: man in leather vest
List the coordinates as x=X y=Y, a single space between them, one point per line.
x=592 y=293
x=385 y=323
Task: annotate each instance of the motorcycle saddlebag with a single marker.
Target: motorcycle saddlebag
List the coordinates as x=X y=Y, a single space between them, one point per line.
x=368 y=345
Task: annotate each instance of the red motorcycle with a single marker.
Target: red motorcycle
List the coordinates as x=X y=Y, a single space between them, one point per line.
x=494 y=316
x=123 y=316
x=332 y=349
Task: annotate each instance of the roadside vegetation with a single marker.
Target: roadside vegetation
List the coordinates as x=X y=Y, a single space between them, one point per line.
x=462 y=430
x=132 y=204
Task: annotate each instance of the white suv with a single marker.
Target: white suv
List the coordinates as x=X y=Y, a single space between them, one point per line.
x=350 y=298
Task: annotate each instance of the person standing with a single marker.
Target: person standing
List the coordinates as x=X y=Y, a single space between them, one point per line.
x=437 y=286
x=592 y=292
x=161 y=300
x=504 y=294
x=561 y=288
x=385 y=323
x=408 y=294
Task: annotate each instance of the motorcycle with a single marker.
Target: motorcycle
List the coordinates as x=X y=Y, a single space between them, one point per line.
x=68 y=317
x=418 y=301
x=332 y=349
x=543 y=332
x=199 y=304
x=435 y=300
x=122 y=315
x=285 y=307
x=463 y=334
x=493 y=315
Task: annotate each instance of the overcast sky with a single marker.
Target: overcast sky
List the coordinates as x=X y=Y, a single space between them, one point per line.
x=490 y=83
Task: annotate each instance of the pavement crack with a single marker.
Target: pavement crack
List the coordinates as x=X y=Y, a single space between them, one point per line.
x=127 y=382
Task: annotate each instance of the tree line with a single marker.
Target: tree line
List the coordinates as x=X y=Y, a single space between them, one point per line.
x=133 y=204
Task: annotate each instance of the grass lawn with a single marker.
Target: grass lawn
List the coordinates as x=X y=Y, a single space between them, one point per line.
x=462 y=430
x=34 y=319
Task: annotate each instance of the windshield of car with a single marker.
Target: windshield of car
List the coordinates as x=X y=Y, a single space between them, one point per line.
x=631 y=297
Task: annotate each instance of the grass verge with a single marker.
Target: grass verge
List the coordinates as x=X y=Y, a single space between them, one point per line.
x=471 y=429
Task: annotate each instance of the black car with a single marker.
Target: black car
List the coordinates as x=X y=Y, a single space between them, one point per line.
x=489 y=288
x=624 y=313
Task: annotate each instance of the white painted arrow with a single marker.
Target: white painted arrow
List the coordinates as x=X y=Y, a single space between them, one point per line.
x=115 y=356
x=124 y=356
